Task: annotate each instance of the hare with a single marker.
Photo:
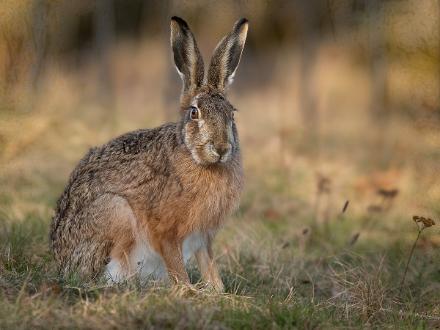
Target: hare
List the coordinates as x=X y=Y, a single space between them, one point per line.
x=147 y=201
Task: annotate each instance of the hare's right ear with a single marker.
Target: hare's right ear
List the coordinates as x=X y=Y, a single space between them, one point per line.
x=189 y=62
x=227 y=55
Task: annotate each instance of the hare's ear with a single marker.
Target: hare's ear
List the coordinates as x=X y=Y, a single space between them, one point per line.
x=227 y=55
x=189 y=62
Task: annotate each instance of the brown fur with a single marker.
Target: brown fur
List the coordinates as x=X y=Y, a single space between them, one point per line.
x=165 y=183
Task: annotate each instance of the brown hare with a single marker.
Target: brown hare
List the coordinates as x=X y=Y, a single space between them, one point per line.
x=145 y=202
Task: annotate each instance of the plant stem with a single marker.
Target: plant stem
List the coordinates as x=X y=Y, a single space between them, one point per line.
x=409 y=260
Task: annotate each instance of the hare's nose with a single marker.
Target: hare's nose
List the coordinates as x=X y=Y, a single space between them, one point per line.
x=223 y=148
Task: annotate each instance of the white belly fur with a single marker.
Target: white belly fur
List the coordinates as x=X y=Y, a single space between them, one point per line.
x=147 y=264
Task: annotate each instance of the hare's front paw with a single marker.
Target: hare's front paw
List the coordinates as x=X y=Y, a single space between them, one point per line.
x=218 y=286
x=185 y=290
x=214 y=286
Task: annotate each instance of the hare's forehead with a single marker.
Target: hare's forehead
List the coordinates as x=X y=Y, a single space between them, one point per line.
x=212 y=102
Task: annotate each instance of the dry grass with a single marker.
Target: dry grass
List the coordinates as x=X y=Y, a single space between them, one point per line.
x=296 y=254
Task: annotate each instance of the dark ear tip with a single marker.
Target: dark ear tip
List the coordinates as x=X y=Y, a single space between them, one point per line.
x=180 y=21
x=238 y=26
x=240 y=23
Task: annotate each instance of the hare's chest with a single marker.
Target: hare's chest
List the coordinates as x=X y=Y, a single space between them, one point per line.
x=214 y=199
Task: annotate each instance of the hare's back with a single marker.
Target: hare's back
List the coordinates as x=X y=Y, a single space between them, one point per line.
x=115 y=167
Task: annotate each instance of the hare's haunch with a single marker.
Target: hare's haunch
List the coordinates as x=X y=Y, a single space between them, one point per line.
x=145 y=202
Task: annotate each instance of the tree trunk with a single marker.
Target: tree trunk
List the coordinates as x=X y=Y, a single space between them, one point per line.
x=379 y=107
x=378 y=64
x=39 y=33
x=104 y=37
x=308 y=97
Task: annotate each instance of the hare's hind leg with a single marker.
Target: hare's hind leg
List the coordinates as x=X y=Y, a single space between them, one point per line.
x=115 y=220
x=101 y=230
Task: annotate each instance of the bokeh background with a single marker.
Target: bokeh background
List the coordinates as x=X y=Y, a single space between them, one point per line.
x=339 y=105
x=349 y=89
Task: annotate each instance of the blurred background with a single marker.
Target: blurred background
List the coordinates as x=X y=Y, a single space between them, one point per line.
x=339 y=100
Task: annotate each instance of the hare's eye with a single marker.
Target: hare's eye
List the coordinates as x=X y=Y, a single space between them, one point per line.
x=194 y=113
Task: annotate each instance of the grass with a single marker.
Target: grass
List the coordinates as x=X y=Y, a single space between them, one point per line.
x=275 y=277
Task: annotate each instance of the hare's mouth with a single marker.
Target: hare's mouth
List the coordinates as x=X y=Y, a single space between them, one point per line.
x=218 y=155
x=207 y=154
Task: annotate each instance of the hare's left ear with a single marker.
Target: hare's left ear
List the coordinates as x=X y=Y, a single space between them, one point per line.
x=189 y=62
x=227 y=55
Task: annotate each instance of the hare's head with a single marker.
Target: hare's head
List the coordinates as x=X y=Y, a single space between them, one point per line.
x=208 y=127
